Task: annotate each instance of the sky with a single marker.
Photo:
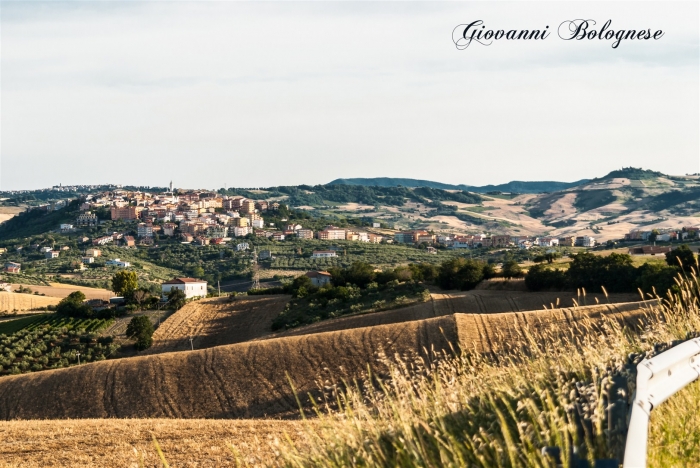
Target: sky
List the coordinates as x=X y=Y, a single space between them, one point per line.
x=257 y=94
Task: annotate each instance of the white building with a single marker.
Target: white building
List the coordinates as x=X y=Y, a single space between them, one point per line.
x=258 y=223
x=190 y=286
x=588 y=241
x=319 y=278
x=144 y=230
x=242 y=231
x=88 y=260
x=117 y=263
x=324 y=254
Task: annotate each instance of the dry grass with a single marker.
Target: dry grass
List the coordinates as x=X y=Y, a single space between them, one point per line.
x=217 y=321
x=62 y=290
x=10 y=301
x=129 y=442
x=500 y=410
x=250 y=380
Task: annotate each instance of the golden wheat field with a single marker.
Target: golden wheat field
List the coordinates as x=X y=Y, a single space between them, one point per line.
x=62 y=290
x=217 y=321
x=129 y=442
x=253 y=379
x=10 y=301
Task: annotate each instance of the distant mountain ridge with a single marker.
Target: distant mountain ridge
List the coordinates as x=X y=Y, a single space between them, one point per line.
x=515 y=186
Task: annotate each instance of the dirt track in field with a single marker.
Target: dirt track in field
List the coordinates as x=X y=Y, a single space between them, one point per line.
x=217 y=321
x=252 y=380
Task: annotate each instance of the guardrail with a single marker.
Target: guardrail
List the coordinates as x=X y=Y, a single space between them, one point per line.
x=658 y=379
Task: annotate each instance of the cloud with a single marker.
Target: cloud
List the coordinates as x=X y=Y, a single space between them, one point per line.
x=244 y=94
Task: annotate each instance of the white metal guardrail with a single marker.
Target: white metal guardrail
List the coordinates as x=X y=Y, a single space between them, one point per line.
x=658 y=378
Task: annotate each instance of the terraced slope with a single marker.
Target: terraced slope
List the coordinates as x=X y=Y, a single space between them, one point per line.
x=252 y=380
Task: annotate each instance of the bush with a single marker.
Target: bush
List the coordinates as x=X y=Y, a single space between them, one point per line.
x=460 y=273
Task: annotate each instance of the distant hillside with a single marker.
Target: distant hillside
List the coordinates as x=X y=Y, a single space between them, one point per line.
x=510 y=187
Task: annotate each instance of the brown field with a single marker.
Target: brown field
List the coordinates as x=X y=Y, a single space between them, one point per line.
x=129 y=443
x=62 y=290
x=10 y=301
x=217 y=321
x=252 y=380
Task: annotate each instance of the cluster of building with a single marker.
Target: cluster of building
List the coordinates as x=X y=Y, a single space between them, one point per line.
x=496 y=241
x=662 y=235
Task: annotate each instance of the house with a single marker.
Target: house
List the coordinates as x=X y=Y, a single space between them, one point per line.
x=258 y=223
x=265 y=255
x=86 y=219
x=186 y=237
x=261 y=205
x=278 y=236
x=190 y=286
x=66 y=227
x=305 y=233
x=242 y=231
x=3 y=250
x=88 y=260
x=547 y=241
x=5 y=287
x=51 y=254
x=102 y=240
x=93 y=252
x=319 y=278
x=45 y=249
x=201 y=240
x=324 y=254
x=65 y=247
x=500 y=241
x=242 y=246
x=331 y=233
x=117 y=263
x=12 y=267
x=144 y=230
x=217 y=231
x=567 y=241
x=129 y=241
x=376 y=225
x=126 y=212
x=169 y=229
x=649 y=250
x=588 y=241
x=375 y=238
x=431 y=250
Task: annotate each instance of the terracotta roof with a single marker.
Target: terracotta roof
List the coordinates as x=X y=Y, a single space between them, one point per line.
x=312 y=274
x=184 y=280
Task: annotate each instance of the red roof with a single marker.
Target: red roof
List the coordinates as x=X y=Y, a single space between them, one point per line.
x=184 y=280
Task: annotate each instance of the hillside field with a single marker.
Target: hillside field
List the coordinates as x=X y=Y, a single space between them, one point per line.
x=252 y=380
x=129 y=443
x=10 y=301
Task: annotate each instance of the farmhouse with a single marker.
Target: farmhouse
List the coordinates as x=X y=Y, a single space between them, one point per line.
x=324 y=254
x=12 y=267
x=190 y=286
x=319 y=278
x=118 y=263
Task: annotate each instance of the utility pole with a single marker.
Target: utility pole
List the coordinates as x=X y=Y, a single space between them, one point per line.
x=78 y=354
x=256 y=274
x=218 y=283
x=191 y=345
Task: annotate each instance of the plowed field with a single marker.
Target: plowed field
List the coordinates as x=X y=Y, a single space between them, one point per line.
x=252 y=380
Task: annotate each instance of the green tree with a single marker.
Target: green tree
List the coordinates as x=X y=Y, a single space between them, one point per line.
x=682 y=257
x=176 y=298
x=124 y=283
x=140 y=329
x=73 y=305
x=511 y=269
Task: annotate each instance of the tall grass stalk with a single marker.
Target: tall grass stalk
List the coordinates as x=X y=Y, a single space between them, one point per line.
x=551 y=387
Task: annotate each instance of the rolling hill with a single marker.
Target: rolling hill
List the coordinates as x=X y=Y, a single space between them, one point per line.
x=252 y=379
x=515 y=186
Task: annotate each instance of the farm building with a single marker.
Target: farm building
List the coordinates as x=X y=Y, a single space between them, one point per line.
x=190 y=286
x=319 y=278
